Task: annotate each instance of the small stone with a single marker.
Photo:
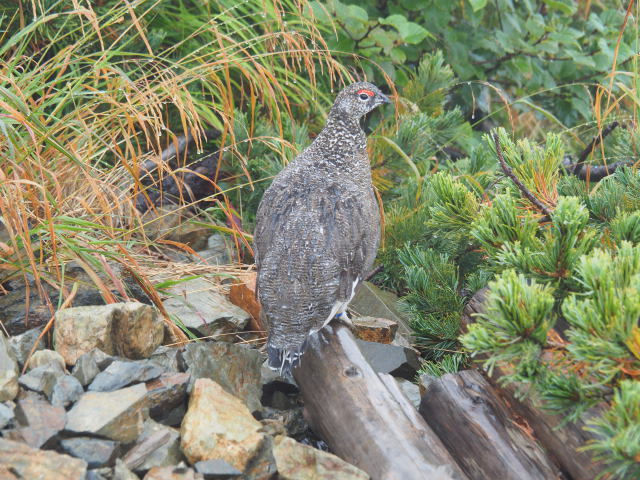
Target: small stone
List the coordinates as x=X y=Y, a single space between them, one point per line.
x=6 y=414
x=190 y=234
x=117 y=415
x=130 y=329
x=102 y=359
x=166 y=392
x=296 y=461
x=175 y=472
x=28 y=463
x=46 y=357
x=373 y=329
x=166 y=454
x=410 y=390
x=293 y=420
x=42 y=379
x=166 y=357
x=397 y=361
x=121 y=472
x=216 y=469
x=86 y=368
x=8 y=371
x=219 y=425
x=121 y=374
x=235 y=368
x=205 y=311
x=96 y=452
x=38 y=422
x=66 y=391
x=23 y=344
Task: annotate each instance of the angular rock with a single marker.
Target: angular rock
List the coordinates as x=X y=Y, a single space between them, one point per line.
x=6 y=414
x=117 y=415
x=296 y=461
x=147 y=454
x=38 y=422
x=263 y=464
x=133 y=330
x=96 y=452
x=166 y=357
x=216 y=469
x=219 y=425
x=66 y=391
x=102 y=359
x=410 y=390
x=393 y=359
x=373 y=329
x=235 y=368
x=86 y=368
x=166 y=392
x=372 y=301
x=293 y=421
x=121 y=374
x=175 y=472
x=195 y=236
x=42 y=379
x=205 y=311
x=121 y=472
x=8 y=371
x=28 y=463
x=23 y=343
x=217 y=251
x=46 y=357
x=99 y=474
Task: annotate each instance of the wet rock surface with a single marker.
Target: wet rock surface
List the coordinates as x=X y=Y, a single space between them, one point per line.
x=235 y=368
x=8 y=371
x=116 y=415
x=133 y=330
x=205 y=311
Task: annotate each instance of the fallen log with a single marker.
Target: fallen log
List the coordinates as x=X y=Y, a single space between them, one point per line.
x=477 y=429
x=563 y=441
x=364 y=419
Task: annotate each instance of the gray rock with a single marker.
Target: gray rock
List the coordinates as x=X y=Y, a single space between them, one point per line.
x=66 y=391
x=205 y=311
x=235 y=368
x=121 y=374
x=166 y=392
x=174 y=472
x=216 y=469
x=28 y=463
x=117 y=415
x=8 y=371
x=122 y=472
x=410 y=390
x=46 y=357
x=42 y=379
x=133 y=330
x=99 y=474
x=167 y=454
x=86 y=368
x=96 y=452
x=393 y=359
x=166 y=357
x=217 y=251
x=6 y=414
x=102 y=359
x=23 y=343
x=38 y=422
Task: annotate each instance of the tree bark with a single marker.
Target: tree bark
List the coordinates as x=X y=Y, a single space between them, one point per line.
x=364 y=419
x=476 y=427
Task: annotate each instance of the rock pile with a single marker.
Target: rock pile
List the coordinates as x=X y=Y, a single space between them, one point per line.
x=108 y=402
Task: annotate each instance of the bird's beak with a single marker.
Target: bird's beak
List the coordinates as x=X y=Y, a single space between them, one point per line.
x=384 y=98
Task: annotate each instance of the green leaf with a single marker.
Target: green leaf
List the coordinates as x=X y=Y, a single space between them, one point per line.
x=478 y=4
x=409 y=32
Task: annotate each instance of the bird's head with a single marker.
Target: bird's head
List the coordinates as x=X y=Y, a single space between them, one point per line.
x=358 y=99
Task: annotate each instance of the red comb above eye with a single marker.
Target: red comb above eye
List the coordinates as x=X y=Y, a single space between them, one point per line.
x=364 y=90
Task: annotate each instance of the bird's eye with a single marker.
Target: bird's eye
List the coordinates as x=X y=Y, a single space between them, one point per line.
x=364 y=96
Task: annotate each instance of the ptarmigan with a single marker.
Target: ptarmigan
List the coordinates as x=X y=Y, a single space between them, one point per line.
x=318 y=229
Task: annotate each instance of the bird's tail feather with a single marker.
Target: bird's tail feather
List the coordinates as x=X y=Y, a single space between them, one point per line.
x=284 y=360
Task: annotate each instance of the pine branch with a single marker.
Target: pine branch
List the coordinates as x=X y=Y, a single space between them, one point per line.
x=595 y=141
x=509 y=173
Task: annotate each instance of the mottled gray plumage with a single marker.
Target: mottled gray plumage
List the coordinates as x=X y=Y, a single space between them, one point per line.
x=318 y=229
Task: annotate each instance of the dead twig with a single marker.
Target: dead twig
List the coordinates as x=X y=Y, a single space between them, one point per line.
x=509 y=173
x=595 y=173
x=595 y=141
